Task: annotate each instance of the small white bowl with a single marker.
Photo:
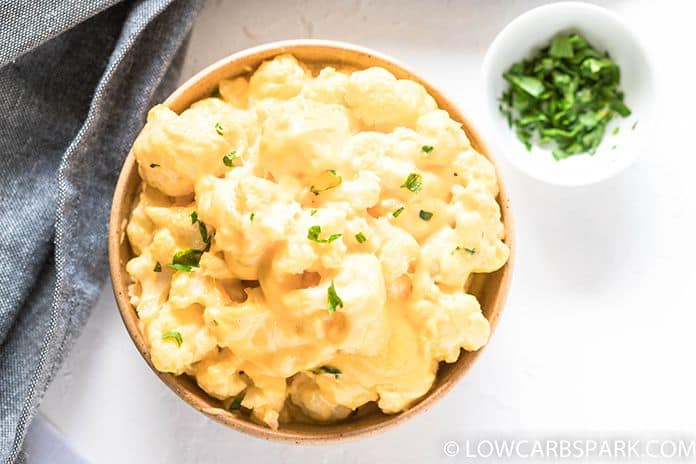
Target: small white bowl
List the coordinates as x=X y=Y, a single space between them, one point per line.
x=606 y=32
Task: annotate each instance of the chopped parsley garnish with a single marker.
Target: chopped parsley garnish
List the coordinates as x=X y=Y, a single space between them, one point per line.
x=414 y=182
x=186 y=260
x=180 y=267
x=201 y=228
x=615 y=131
x=471 y=251
x=335 y=371
x=563 y=97
x=219 y=129
x=327 y=180
x=427 y=148
x=334 y=301
x=173 y=335
x=425 y=215
x=633 y=127
x=204 y=233
x=360 y=237
x=229 y=158
x=313 y=234
x=251 y=216
x=158 y=267
x=154 y=165
x=398 y=211
x=236 y=403
x=313 y=212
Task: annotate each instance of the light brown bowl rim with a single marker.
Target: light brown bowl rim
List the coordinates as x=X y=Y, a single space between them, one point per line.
x=129 y=316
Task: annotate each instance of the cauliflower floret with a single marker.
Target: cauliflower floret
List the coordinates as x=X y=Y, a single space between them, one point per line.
x=406 y=144
x=149 y=290
x=328 y=87
x=475 y=172
x=358 y=324
x=177 y=221
x=305 y=394
x=444 y=139
x=215 y=266
x=140 y=228
x=451 y=322
x=172 y=326
x=302 y=138
x=399 y=373
x=366 y=149
x=265 y=397
x=478 y=227
x=219 y=375
x=246 y=326
x=382 y=103
x=299 y=253
x=357 y=192
x=281 y=78
x=228 y=205
x=174 y=151
x=397 y=250
x=189 y=288
x=422 y=216
x=235 y=91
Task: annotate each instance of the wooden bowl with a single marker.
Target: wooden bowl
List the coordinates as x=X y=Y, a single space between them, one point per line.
x=490 y=289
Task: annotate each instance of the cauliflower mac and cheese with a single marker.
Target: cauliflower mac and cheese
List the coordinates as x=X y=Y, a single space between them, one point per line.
x=303 y=242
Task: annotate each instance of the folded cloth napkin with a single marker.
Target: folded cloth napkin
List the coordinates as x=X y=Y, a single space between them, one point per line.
x=76 y=80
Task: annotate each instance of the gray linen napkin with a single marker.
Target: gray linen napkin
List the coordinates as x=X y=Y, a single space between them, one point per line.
x=76 y=80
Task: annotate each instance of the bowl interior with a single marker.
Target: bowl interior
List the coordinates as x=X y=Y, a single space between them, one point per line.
x=490 y=289
x=606 y=32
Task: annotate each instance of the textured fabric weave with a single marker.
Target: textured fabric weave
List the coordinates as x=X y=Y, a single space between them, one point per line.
x=76 y=80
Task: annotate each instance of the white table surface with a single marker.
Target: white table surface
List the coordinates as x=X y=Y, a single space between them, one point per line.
x=598 y=333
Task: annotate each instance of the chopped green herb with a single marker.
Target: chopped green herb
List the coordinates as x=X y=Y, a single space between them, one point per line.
x=334 y=301
x=229 y=158
x=201 y=228
x=398 y=211
x=427 y=148
x=204 y=233
x=561 y=47
x=360 y=237
x=563 y=97
x=158 y=267
x=236 y=403
x=633 y=127
x=313 y=234
x=471 y=251
x=313 y=212
x=180 y=267
x=425 y=215
x=615 y=131
x=414 y=182
x=335 y=371
x=185 y=260
x=531 y=85
x=219 y=129
x=251 y=216
x=327 y=180
x=154 y=165
x=173 y=335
